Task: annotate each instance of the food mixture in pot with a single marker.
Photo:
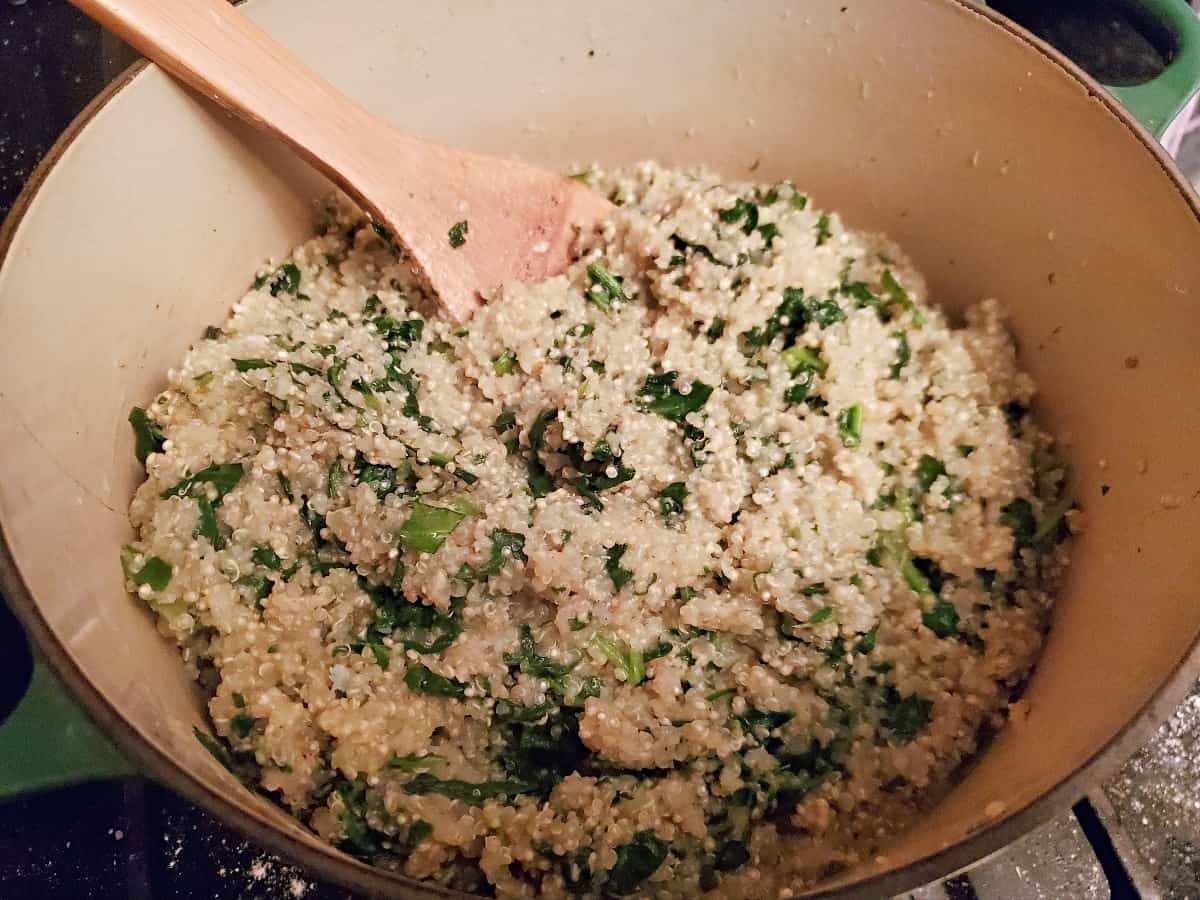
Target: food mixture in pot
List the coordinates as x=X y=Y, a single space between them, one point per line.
x=698 y=569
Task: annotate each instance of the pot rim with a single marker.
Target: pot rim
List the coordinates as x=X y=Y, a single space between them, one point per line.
x=338 y=866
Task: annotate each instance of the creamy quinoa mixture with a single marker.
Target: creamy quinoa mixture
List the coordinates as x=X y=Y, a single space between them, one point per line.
x=700 y=568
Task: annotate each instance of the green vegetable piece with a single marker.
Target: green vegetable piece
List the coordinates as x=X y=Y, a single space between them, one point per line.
x=504 y=363
x=242 y=725
x=905 y=717
x=148 y=437
x=741 y=209
x=903 y=353
x=223 y=477
x=606 y=288
x=798 y=358
x=417 y=832
x=798 y=201
x=423 y=680
x=1018 y=515
x=612 y=565
x=768 y=233
x=670 y=500
x=899 y=295
x=285 y=281
x=249 y=365
x=337 y=473
x=427 y=527
x=361 y=840
x=381 y=478
x=715 y=329
x=866 y=643
x=155 y=572
x=636 y=861
x=1052 y=520
x=822 y=229
x=941 y=619
x=458 y=234
x=207 y=527
x=929 y=469
x=629 y=661
x=539 y=479
x=659 y=396
x=824 y=614
x=849 y=424
x=466 y=791
x=506 y=545
x=915 y=578
x=411 y=762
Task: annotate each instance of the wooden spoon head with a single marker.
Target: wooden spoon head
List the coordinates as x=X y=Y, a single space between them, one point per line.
x=472 y=223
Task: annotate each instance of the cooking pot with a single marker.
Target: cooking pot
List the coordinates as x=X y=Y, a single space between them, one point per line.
x=1000 y=167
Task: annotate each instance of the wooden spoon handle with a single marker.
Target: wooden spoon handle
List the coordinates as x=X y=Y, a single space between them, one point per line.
x=213 y=48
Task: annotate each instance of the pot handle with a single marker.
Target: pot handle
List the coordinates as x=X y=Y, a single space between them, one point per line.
x=48 y=741
x=1156 y=102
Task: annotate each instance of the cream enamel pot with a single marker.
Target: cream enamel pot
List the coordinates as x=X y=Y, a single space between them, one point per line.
x=999 y=166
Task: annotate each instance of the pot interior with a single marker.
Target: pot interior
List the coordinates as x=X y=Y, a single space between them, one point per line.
x=996 y=168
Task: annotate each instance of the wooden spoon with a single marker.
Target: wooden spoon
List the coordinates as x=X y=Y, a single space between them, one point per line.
x=468 y=222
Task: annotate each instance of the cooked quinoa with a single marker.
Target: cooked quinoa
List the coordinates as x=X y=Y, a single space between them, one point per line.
x=700 y=568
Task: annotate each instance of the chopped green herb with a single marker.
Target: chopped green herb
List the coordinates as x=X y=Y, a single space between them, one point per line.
x=337 y=474
x=606 y=288
x=241 y=725
x=849 y=424
x=248 y=365
x=941 y=618
x=466 y=791
x=286 y=281
x=212 y=332
x=866 y=643
x=824 y=614
x=223 y=477
x=155 y=572
x=768 y=233
x=458 y=234
x=905 y=717
x=427 y=527
x=741 y=209
x=929 y=469
x=422 y=680
x=900 y=296
x=381 y=478
x=822 y=229
x=147 y=435
x=411 y=762
x=612 y=565
x=629 y=661
x=637 y=860
x=715 y=329
x=504 y=363
x=658 y=395
x=798 y=358
x=670 y=500
x=506 y=545
x=903 y=353
x=965 y=450
x=1018 y=515
x=798 y=201
x=361 y=840
x=539 y=479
